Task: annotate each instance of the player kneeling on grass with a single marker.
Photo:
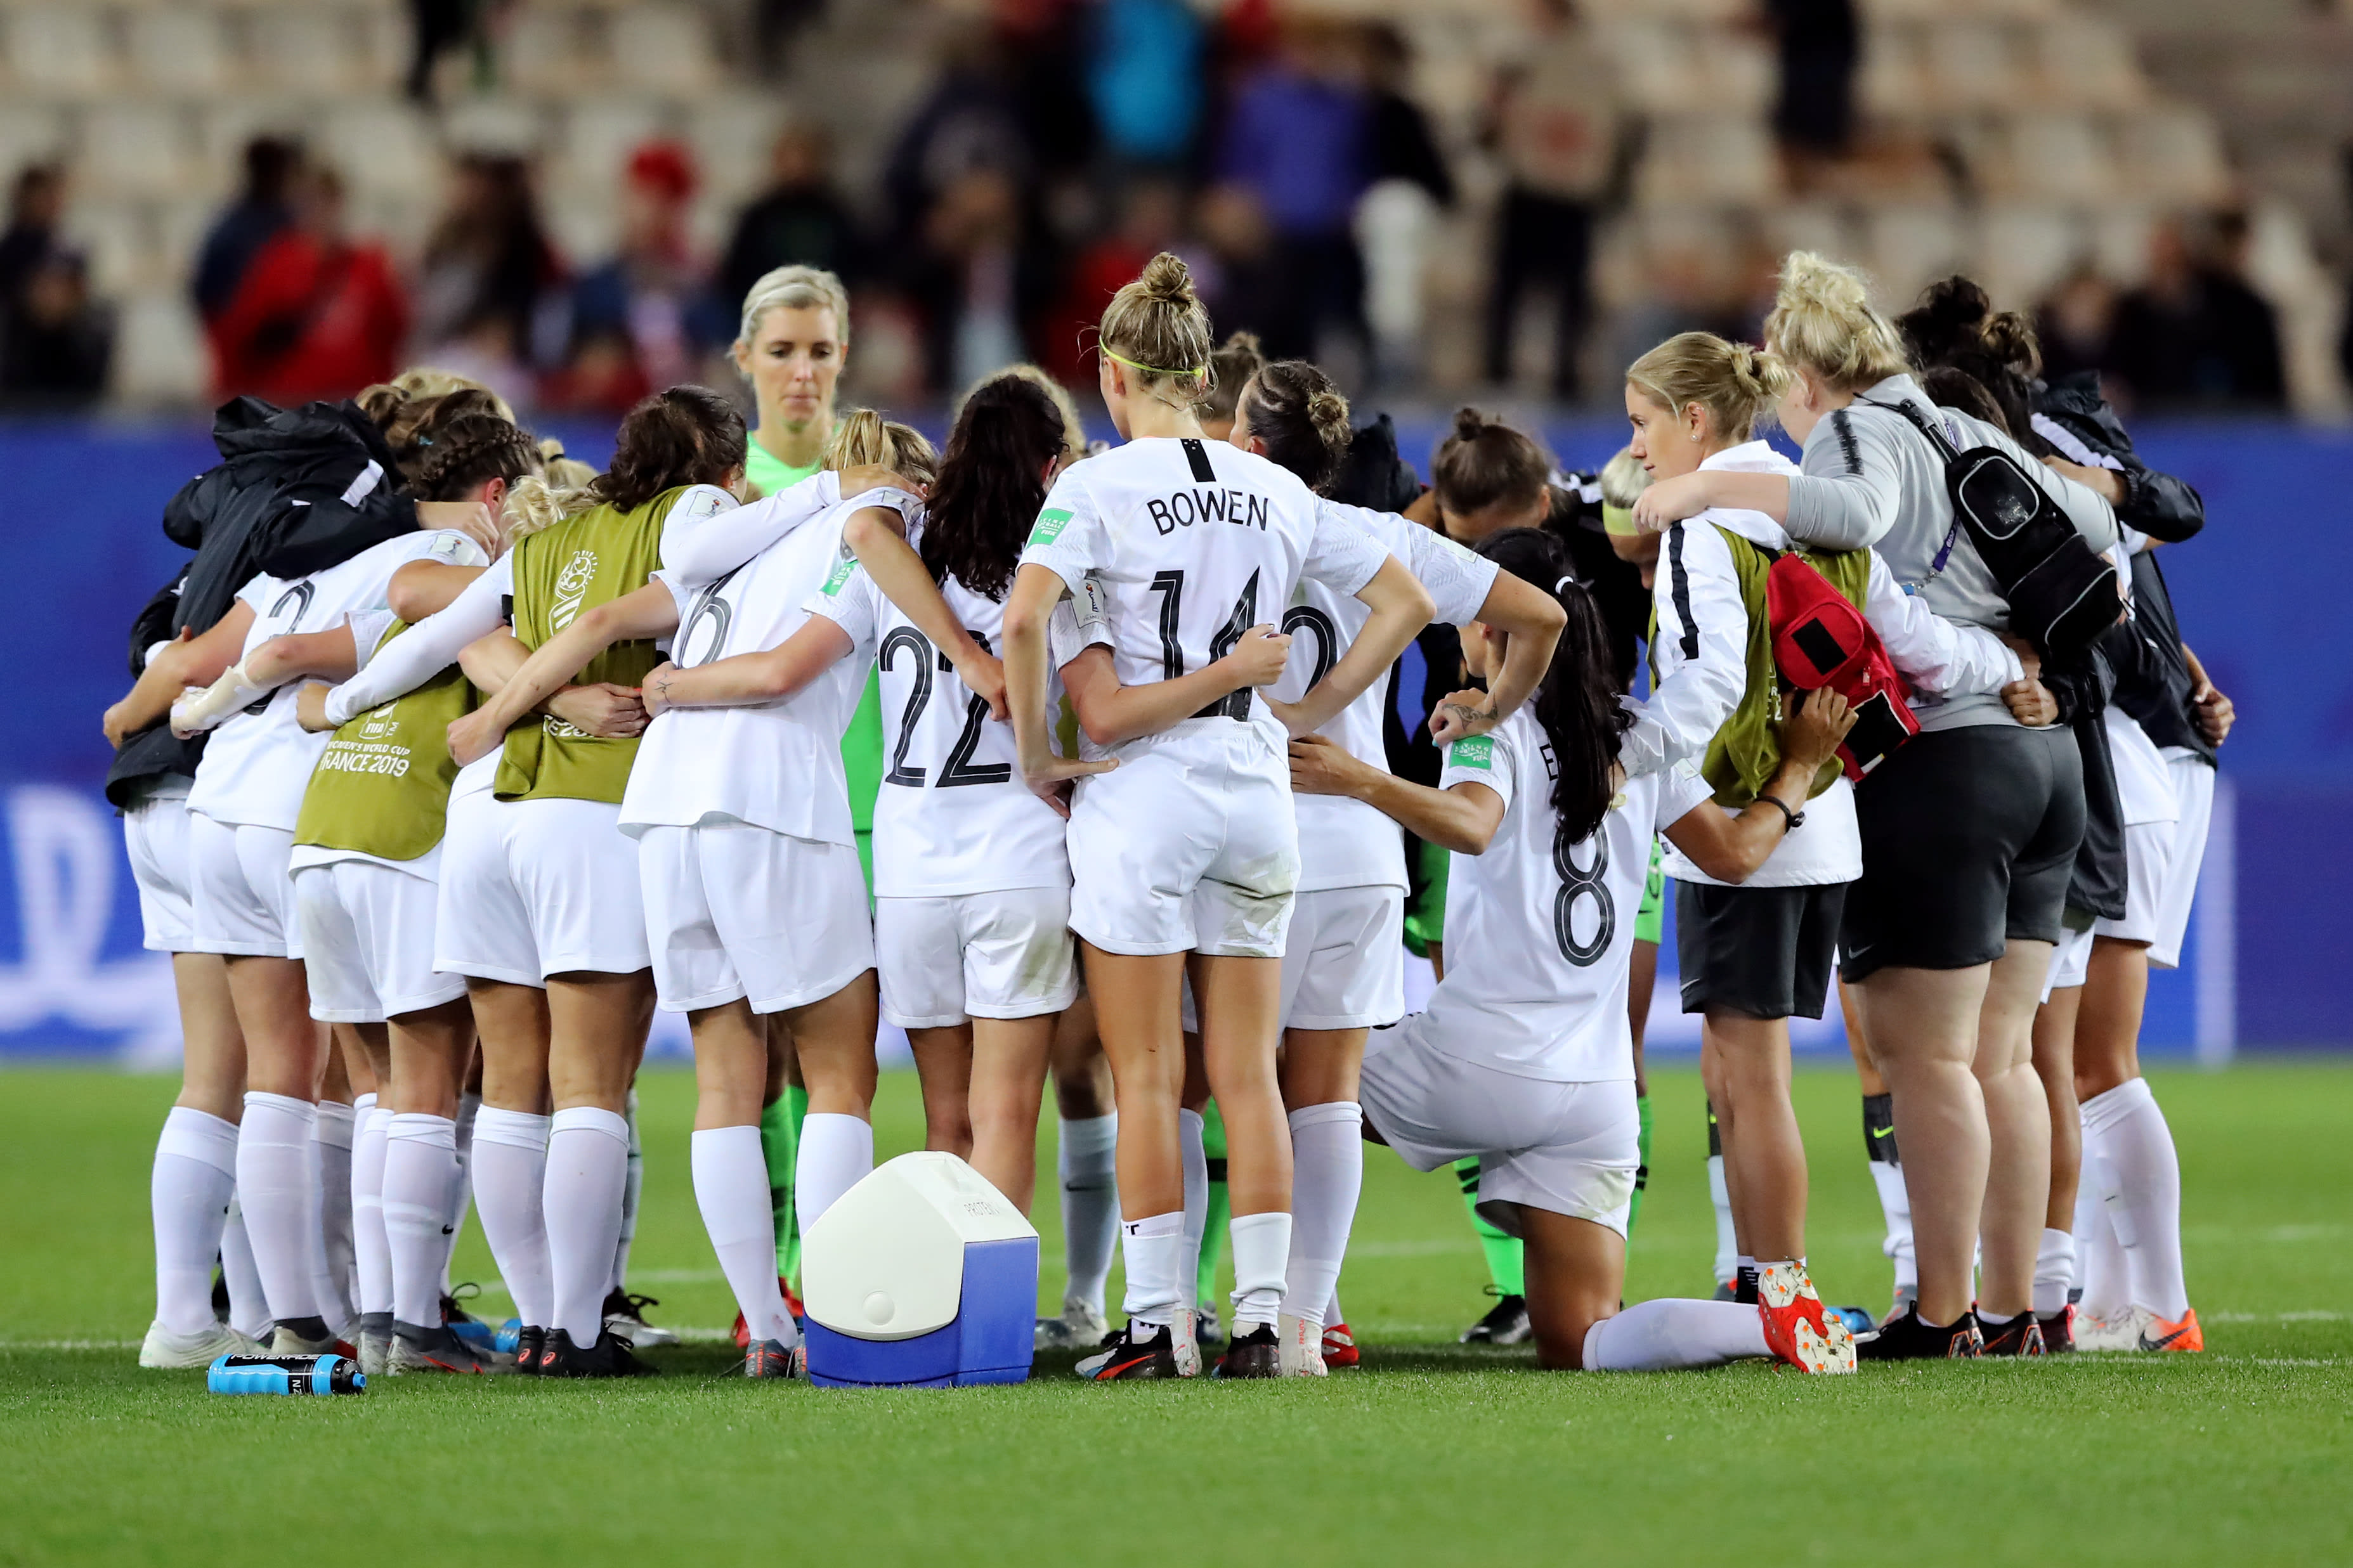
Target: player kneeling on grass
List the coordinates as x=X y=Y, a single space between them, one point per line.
x=1525 y=1057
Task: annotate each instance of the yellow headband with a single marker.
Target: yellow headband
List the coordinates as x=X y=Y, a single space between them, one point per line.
x=1619 y=520
x=1198 y=370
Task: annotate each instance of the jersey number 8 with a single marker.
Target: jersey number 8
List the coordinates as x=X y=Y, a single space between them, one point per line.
x=1575 y=883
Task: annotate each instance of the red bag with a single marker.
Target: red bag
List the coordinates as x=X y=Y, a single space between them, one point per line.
x=1821 y=639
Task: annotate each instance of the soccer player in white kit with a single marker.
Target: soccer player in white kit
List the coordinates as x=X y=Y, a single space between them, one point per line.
x=1344 y=967
x=753 y=900
x=1190 y=847
x=971 y=879
x=1525 y=1056
x=247 y=797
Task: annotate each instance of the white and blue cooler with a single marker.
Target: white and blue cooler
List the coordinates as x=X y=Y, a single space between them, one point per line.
x=923 y=1275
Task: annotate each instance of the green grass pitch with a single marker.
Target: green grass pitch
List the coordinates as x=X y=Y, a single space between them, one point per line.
x=1430 y=1454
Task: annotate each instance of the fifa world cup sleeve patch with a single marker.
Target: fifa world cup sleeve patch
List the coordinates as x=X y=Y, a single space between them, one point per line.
x=1091 y=608
x=842 y=571
x=1473 y=751
x=1051 y=523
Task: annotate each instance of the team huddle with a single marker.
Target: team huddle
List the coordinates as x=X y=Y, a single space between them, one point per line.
x=449 y=760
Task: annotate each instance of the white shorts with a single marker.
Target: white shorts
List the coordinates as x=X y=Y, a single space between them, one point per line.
x=1189 y=846
x=2071 y=957
x=155 y=834
x=242 y=896
x=535 y=888
x=733 y=910
x=974 y=955
x=1344 y=964
x=2148 y=860
x=367 y=941
x=2193 y=792
x=1565 y=1148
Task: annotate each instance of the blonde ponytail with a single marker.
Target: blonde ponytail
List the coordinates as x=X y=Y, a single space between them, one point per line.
x=1822 y=322
x=1156 y=328
x=865 y=439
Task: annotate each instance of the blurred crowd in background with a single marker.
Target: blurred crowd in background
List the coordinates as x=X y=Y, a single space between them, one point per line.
x=1056 y=145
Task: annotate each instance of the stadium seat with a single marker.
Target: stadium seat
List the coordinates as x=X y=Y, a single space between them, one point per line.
x=120 y=242
x=2022 y=249
x=27 y=131
x=509 y=125
x=59 y=52
x=1709 y=157
x=732 y=135
x=1892 y=81
x=1907 y=248
x=160 y=357
x=2171 y=155
x=2086 y=62
x=662 y=47
x=381 y=148
x=135 y=149
x=540 y=52
x=1969 y=64
x=181 y=51
x=2056 y=157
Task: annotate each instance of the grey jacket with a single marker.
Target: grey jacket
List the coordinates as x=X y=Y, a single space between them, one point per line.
x=1869 y=477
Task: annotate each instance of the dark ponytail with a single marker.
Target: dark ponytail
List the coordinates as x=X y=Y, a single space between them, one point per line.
x=991 y=483
x=683 y=436
x=1954 y=327
x=1576 y=704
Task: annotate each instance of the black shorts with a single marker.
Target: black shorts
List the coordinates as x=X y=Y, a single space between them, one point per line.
x=1968 y=839
x=1763 y=952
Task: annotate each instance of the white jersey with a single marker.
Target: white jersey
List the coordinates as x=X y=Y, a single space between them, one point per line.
x=776 y=765
x=1345 y=843
x=1192 y=543
x=1538 y=937
x=954 y=817
x=258 y=764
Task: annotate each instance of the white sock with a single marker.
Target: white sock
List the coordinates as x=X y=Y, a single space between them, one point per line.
x=420 y=1166
x=837 y=1153
x=509 y=1179
x=1331 y=1311
x=1261 y=1247
x=470 y=1108
x=274 y=1165
x=1193 y=1157
x=632 y=1190
x=1154 y=1248
x=248 y=1304
x=338 y=1293
x=373 y=1253
x=731 y=1186
x=2144 y=1200
x=2054 y=1271
x=1327 y=1172
x=189 y=1191
x=1895 y=1211
x=588 y=1163
x=1087 y=1161
x=1727 y=1249
x=1669 y=1333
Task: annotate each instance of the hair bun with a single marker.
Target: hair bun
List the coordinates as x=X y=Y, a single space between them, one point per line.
x=1166 y=276
x=1242 y=341
x=1328 y=411
x=1469 y=423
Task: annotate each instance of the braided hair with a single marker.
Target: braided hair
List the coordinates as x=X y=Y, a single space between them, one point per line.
x=470 y=450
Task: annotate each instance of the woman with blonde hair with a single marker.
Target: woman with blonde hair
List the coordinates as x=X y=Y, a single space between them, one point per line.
x=1186 y=856
x=1968 y=831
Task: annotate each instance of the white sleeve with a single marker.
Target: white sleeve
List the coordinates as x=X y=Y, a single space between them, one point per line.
x=1069 y=538
x=1079 y=623
x=368 y=627
x=1681 y=792
x=1938 y=658
x=429 y=646
x=1481 y=759
x=850 y=600
x=1341 y=555
x=702 y=541
x=1699 y=651
x=1458 y=579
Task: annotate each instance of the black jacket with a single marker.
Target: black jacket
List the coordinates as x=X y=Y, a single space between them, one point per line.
x=2153 y=683
x=297 y=490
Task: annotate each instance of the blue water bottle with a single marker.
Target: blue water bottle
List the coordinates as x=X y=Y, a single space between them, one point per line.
x=285 y=1374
